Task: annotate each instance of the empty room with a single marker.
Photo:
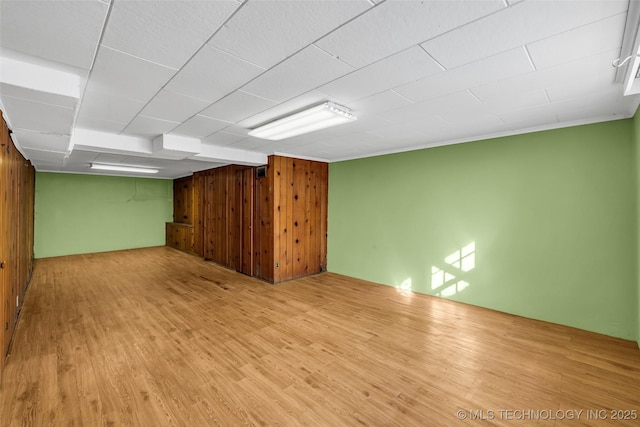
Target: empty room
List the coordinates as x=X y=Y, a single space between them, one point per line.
x=319 y=212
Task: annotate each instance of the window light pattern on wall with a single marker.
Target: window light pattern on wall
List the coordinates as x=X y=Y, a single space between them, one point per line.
x=444 y=281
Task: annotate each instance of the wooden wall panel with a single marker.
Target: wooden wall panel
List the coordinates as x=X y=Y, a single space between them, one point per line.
x=264 y=232
x=223 y=215
x=17 y=185
x=299 y=217
x=199 y=181
x=180 y=236
x=183 y=200
x=279 y=217
x=322 y=204
x=246 y=231
x=234 y=217
x=180 y=233
x=272 y=227
x=219 y=225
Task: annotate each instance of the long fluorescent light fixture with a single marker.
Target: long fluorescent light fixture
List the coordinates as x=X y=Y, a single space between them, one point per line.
x=104 y=167
x=319 y=117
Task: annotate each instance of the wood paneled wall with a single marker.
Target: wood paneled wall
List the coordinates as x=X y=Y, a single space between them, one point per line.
x=180 y=236
x=17 y=185
x=227 y=196
x=300 y=193
x=199 y=181
x=183 y=200
x=273 y=227
x=263 y=243
x=180 y=233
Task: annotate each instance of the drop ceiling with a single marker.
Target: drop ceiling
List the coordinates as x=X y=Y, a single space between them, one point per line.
x=131 y=82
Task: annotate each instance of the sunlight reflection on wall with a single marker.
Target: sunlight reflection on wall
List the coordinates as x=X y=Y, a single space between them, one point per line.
x=405 y=287
x=447 y=280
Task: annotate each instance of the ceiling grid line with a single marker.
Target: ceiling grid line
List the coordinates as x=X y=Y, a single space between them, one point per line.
x=526 y=51
x=203 y=46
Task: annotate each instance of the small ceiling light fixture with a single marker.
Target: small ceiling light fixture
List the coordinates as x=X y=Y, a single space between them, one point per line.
x=315 y=118
x=118 y=168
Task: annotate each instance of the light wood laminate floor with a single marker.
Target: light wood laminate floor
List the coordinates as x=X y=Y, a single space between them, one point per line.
x=156 y=337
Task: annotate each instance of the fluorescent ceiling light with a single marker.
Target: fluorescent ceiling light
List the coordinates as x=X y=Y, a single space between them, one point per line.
x=104 y=167
x=319 y=117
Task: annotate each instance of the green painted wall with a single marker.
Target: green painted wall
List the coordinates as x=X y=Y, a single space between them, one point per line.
x=552 y=215
x=77 y=214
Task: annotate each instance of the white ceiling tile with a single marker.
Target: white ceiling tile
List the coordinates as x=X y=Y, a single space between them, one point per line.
x=530 y=117
x=590 y=106
x=267 y=32
x=112 y=158
x=165 y=32
x=539 y=118
x=173 y=107
x=212 y=74
x=237 y=131
x=515 y=26
x=336 y=153
x=34 y=116
x=472 y=119
x=499 y=101
x=378 y=103
x=404 y=67
x=149 y=127
x=48 y=166
x=413 y=128
x=366 y=121
x=199 y=126
x=271 y=149
x=304 y=71
x=578 y=87
x=127 y=76
x=248 y=144
x=105 y=106
x=445 y=105
x=63 y=31
x=237 y=106
x=38 y=96
x=94 y=123
x=53 y=157
x=42 y=141
x=484 y=71
x=222 y=139
x=79 y=160
x=396 y=25
x=583 y=68
x=601 y=36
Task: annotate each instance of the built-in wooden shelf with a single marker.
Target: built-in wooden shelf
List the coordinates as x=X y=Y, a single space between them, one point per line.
x=180 y=236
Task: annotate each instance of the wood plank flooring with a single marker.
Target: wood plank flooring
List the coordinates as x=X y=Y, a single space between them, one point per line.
x=156 y=337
